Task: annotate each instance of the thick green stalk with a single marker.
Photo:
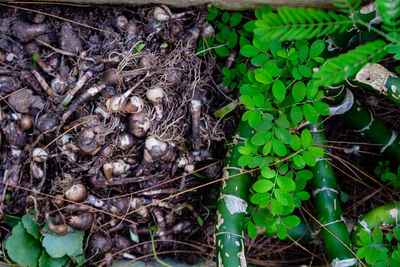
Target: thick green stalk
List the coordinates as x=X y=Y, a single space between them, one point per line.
x=383 y=215
x=232 y=204
x=380 y=80
x=362 y=120
x=329 y=211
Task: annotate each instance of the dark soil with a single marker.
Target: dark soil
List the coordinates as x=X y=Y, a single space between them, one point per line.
x=131 y=159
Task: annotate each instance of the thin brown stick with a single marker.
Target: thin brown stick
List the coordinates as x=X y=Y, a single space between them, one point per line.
x=353 y=150
x=54 y=16
x=355 y=167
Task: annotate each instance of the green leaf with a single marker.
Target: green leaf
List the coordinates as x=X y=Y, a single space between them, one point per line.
x=46 y=261
x=296 y=74
x=282 y=53
x=272 y=67
x=296 y=143
x=283 y=135
x=298 y=91
x=291 y=221
x=389 y=176
x=338 y=69
x=262 y=76
x=258 y=198
x=396 y=232
x=282 y=232
x=286 y=183
x=303 y=53
x=312 y=90
x=276 y=208
x=321 y=107
x=58 y=246
x=225 y=17
x=30 y=225
x=388 y=237
x=247 y=101
x=306 y=174
x=305 y=71
x=267 y=148
x=317 y=47
x=362 y=252
x=283 y=197
x=232 y=39
x=222 y=51
x=306 y=138
x=310 y=113
x=244 y=160
x=249 y=51
x=303 y=195
x=35 y=57
x=282 y=122
x=309 y=158
x=258 y=100
x=283 y=169
x=267 y=172
x=251 y=230
x=254 y=118
x=247 y=89
x=371 y=255
x=278 y=147
x=22 y=247
x=212 y=13
x=236 y=18
x=377 y=236
x=260 y=138
x=264 y=125
x=365 y=237
x=316 y=151
x=255 y=161
x=139 y=48
x=263 y=186
x=296 y=114
x=299 y=23
x=259 y=60
x=298 y=161
x=279 y=90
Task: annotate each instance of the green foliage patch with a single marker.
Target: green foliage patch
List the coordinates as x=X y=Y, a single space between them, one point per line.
x=28 y=246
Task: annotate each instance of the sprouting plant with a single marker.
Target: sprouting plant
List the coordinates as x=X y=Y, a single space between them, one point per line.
x=277 y=102
x=231 y=33
x=383 y=171
x=29 y=246
x=378 y=249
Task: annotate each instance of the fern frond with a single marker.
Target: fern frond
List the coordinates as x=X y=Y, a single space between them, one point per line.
x=347 y=6
x=299 y=23
x=338 y=69
x=390 y=13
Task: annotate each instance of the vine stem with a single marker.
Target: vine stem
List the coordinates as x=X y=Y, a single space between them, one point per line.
x=330 y=215
x=384 y=215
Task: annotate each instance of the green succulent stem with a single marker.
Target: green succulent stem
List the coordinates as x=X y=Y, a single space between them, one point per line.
x=232 y=204
x=384 y=215
x=362 y=120
x=327 y=202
